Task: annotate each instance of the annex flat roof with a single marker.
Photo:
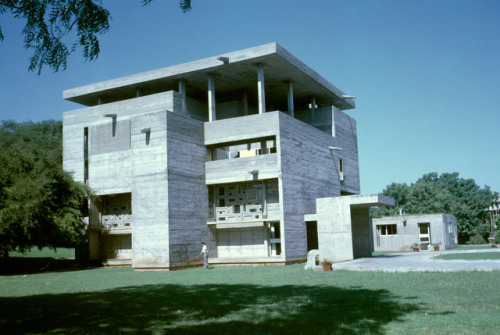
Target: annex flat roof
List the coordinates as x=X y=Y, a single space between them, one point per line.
x=238 y=74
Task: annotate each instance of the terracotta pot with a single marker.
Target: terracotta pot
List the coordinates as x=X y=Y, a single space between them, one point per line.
x=436 y=248
x=415 y=249
x=327 y=266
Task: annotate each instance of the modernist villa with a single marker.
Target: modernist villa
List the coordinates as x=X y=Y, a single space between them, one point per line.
x=250 y=151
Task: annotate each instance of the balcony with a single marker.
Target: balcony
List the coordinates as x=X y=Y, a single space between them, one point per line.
x=242 y=169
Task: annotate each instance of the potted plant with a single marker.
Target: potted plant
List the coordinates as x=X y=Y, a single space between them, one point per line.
x=327 y=264
x=415 y=247
x=436 y=246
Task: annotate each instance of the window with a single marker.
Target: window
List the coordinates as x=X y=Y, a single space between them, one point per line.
x=387 y=229
x=242 y=149
x=341 y=166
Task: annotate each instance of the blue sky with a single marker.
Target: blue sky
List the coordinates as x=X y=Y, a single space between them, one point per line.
x=426 y=73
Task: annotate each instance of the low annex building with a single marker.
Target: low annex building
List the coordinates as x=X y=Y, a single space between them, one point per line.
x=234 y=150
x=397 y=233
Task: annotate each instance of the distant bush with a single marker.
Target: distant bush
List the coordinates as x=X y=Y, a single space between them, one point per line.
x=497 y=237
x=483 y=230
x=477 y=239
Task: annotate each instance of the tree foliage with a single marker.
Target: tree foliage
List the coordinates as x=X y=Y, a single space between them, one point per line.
x=40 y=204
x=49 y=23
x=447 y=194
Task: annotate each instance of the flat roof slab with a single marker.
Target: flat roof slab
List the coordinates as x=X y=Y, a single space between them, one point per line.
x=240 y=73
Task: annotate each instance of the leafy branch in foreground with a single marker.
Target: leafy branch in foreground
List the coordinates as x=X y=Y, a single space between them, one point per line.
x=50 y=22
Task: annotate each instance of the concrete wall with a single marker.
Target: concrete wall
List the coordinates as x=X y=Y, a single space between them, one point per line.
x=408 y=233
x=169 y=194
x=309 y=171
x=75 y=121
x=187 y=191
x=334 y=229
x=150 y=199
x=346 y=137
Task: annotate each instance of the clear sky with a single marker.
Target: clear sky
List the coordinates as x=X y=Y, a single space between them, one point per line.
x=426 y=73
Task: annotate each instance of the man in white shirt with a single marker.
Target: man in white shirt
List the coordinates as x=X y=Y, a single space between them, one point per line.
x=204 y=252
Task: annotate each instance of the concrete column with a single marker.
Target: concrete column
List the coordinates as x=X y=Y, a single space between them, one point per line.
x=182 y=92
x=99 y=100
x=211 y=98
x=245 y=104
x=290 y=99
x=313 y=108
x=260 y=88
x=138 y=93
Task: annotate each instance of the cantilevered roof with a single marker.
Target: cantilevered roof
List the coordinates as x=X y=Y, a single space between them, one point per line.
x=238 y=74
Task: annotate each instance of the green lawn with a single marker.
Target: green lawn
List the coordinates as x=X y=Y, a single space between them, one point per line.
x=249 y=300
x=46 y=252
x=471 y=247
x=470 y=256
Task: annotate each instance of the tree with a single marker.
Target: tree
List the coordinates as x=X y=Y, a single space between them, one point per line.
x=49 y=22
x=40 y=204
x=447 y=194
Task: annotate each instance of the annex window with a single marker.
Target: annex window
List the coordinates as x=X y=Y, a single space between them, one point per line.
x=242 y=149
x=341 y=166
x=387 y=229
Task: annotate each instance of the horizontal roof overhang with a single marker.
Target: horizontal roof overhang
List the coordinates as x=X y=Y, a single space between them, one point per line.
x=359 y=201
x=239 y=73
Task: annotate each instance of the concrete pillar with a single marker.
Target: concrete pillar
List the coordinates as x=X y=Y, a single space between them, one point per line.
x=245 y=103
x=260 y=88
x=211 y=98
x=313 y=108
x=99 y=100
x=138 y=93
x=290 y=99
x=182 y=92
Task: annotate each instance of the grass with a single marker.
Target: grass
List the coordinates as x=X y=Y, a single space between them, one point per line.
x=45 y=253
x=471 y=256
x=473 y=246
x=249 y=300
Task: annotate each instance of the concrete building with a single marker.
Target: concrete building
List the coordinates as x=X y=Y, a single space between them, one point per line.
x=398 y=233
x=233 y=150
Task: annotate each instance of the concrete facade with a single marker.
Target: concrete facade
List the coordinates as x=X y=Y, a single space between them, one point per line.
x=235 y=150
x=399 y=233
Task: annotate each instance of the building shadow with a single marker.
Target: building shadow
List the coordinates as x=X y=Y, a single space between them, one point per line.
x=206 y=309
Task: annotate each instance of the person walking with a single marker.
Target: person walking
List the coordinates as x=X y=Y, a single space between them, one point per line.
x=204 y=252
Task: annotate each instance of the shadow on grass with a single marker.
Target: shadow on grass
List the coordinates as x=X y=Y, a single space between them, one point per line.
x=28 y=265
x=207 y=309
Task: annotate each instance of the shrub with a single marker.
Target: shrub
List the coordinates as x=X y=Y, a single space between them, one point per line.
x=477 y=239
x=497 y=237
x=483 y=230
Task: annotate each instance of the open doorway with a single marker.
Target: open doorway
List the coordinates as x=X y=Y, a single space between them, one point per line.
x=312 y=235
